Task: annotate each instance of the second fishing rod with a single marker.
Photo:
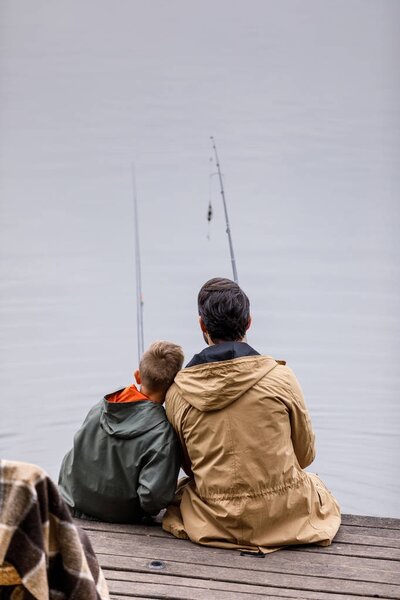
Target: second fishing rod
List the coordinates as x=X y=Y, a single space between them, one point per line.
x=228 y=229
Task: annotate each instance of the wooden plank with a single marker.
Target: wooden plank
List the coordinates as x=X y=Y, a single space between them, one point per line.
x=347 y=520
x=380 y=522
x=390 y=534
x=158 y=590
x=112 y=597
x=288 y=559
x=280 y=595
x=136 y=597
x=343 y=537
x=356 y=550
x=171 y=592
x=153 y=530
x=285 y=580
x=330 y=568
x=187 y=587
x=204 y=584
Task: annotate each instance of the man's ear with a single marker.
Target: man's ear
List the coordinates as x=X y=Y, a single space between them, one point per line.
x=206 y=336
x=249 y=323
x=202 y=325
x=137 y=377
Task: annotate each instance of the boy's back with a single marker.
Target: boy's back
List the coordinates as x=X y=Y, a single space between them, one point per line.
x=124 y=462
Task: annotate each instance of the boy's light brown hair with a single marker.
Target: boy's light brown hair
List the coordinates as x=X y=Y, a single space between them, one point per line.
x=159 y=365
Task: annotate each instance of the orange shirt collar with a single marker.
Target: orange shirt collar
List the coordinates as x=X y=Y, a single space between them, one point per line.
x=129 y=394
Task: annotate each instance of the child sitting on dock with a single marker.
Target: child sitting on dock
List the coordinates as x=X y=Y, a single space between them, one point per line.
x=125 y=458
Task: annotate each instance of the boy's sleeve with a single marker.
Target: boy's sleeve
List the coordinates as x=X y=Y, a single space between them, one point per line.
x=71 y=460
x=303 y=438
x=158 y=477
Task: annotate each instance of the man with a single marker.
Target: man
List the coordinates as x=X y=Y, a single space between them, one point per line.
x=246 y=437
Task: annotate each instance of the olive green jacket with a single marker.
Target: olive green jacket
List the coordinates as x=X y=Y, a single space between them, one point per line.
x=124 y=462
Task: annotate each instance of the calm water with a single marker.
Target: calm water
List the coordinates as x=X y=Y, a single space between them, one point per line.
x=303 y=99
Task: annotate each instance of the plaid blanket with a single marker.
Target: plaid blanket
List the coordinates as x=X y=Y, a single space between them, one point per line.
x=53 y=557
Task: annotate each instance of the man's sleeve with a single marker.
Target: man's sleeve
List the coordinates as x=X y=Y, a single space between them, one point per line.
x=303 y=437
x=175 y=415
x=158 y=477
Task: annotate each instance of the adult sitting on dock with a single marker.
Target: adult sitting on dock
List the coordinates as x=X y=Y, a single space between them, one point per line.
x=246 y=437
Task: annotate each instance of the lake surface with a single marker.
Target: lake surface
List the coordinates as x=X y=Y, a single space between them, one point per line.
x=303 y=99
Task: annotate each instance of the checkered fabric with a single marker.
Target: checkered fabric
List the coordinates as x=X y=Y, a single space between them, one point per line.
x=53 y=557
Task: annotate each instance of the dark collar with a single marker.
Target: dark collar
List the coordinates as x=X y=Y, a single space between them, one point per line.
x=223 y=351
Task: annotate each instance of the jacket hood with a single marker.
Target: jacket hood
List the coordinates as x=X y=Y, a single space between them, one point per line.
x=131 y=419
x=214 y=383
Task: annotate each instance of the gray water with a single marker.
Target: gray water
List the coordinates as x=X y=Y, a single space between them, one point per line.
x=303 y=99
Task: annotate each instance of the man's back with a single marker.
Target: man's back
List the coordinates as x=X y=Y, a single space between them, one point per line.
x=247 y=434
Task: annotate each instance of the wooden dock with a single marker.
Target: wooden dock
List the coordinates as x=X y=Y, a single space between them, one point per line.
x=145 y=562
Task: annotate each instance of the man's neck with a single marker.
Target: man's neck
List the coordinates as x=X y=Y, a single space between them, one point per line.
x=211 y=342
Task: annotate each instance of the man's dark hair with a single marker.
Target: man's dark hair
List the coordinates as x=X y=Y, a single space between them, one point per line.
x=225 y=310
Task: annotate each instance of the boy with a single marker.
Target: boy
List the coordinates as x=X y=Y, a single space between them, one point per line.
x=125 y=459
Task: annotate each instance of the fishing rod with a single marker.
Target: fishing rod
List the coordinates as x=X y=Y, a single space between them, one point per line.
x=139 y=295
x=228 y=229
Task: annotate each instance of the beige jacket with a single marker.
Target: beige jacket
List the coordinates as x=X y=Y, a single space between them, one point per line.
x=247 y=436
